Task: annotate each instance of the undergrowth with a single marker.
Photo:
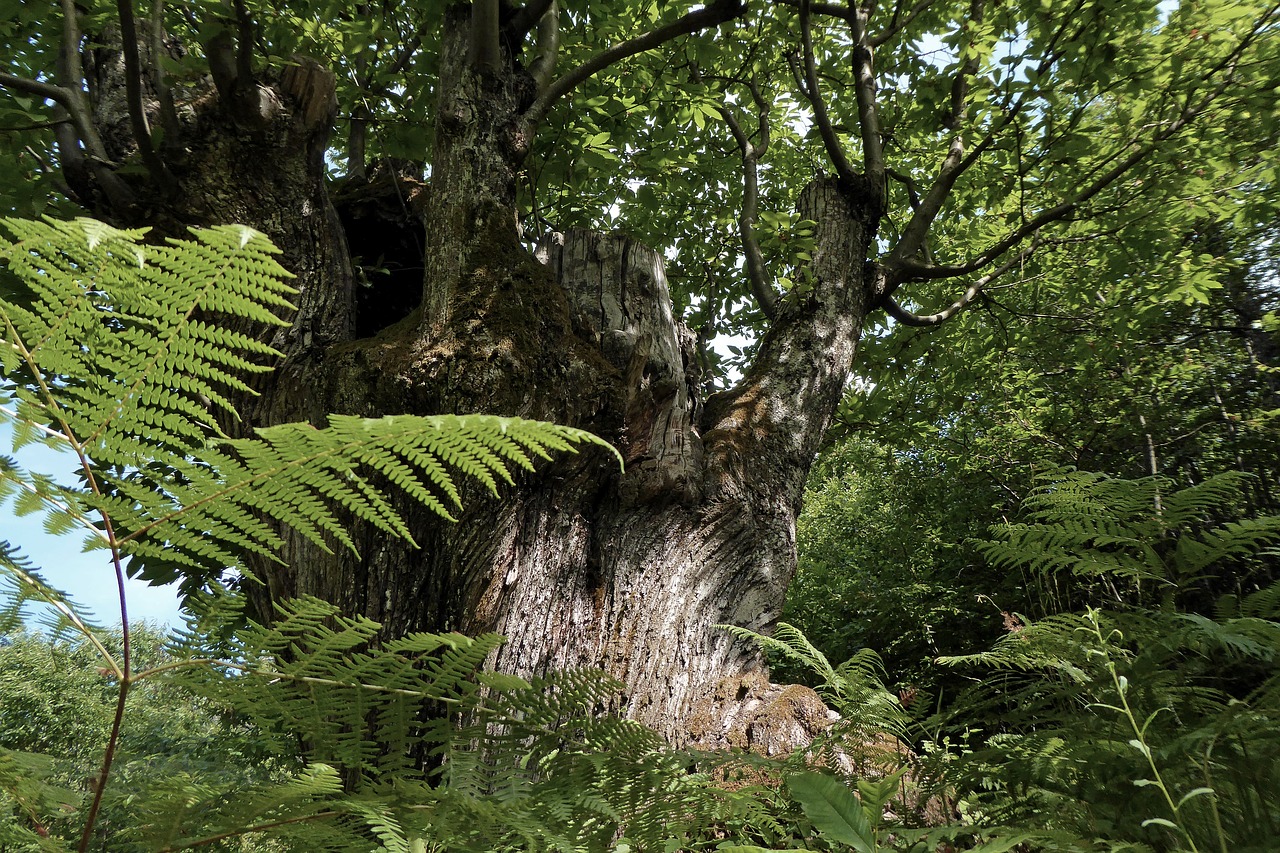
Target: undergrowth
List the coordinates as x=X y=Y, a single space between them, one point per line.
x=1147 y=722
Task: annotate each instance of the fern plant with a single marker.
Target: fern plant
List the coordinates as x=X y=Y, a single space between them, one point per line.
x=112 y=349
x=1134 y=727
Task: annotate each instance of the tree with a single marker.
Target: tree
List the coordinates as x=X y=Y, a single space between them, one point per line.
x=475 y=133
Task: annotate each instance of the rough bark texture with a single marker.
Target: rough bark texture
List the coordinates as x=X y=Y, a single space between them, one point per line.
x=579 y=564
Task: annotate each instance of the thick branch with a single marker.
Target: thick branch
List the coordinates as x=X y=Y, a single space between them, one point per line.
x=70 y=80
x=527 y=17
x=964 y=75
x=70 y=71
x=711 y=15
x=244 y=43
x=868 y=117
x=548 y=46
x=219 y=52
x=360 y=113
x=751 y=153
x=762 y=434
x=829 y=139
x=484 y=53
x=133 y=94
x=164 y=95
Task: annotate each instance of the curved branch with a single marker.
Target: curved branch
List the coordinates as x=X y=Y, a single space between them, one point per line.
x=910 y=270
x=48 y=91
x=70 y=80
x=913 y=190
x=709 y=16
x=910 y=318
x=956 y=162
x=527 y=17
x=73 y=119
x=896 y=26
x=829 y=139
x=751 y=153
x=548 y=46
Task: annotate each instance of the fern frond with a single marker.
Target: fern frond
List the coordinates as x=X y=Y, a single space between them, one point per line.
x=116 y=358
x=116 y=329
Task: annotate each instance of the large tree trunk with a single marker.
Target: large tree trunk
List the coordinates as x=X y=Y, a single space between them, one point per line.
x=579 y=564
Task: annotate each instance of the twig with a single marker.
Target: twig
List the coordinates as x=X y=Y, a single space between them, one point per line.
x=829 y=139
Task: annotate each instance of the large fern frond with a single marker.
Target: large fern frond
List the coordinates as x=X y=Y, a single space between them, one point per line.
x=116 y=356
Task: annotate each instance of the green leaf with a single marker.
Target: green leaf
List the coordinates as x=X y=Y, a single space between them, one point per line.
x=836 y=813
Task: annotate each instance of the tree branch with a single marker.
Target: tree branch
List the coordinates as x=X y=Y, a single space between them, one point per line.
x=909 y=318
x=844 y=13
x=964 y=75
x=868 y=117
x=829 y=139
x=953 y=166
x=71 y=78
x=910 y=270
x=168 y=112
x=527 y=17
x=70 y=71
x=896 y=26
x=244 y=43
x=79 y=129
x=548 y=45
x=751 y=154
x=48 y=91
x=133 y=95
x=850 y=14
x=709 y=16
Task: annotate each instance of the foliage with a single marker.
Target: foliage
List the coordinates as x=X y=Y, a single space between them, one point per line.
x=1132 y=724
x=886 y=562
x=1076 y=126
x=110 y=355
x=56 y=708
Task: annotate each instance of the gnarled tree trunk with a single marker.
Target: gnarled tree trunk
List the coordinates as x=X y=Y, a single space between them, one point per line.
x=579 y=564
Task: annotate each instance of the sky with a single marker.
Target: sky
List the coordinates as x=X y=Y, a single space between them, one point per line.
x=88 y=578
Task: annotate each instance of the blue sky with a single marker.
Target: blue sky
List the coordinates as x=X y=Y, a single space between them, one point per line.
x=88 y=578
